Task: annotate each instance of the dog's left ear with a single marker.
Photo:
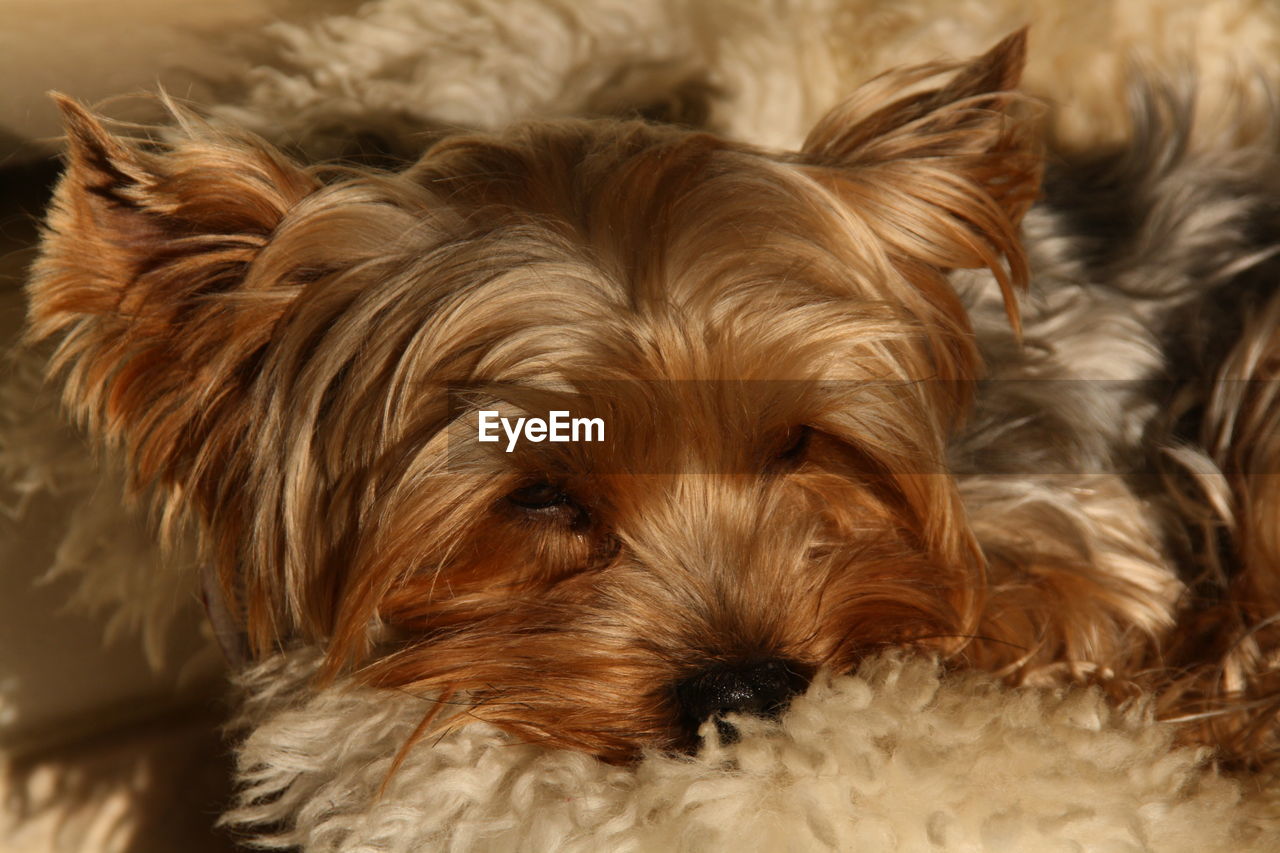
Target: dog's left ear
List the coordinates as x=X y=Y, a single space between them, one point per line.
x=943 y=175
x=154 y=277
x=144 y=272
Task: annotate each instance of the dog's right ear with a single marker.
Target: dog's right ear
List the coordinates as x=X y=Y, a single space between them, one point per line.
x=944 y=173
x=143 y=272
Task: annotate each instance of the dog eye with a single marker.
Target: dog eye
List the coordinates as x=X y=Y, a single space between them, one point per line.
x=794 y=445
x=549 y=501
x=539 y=496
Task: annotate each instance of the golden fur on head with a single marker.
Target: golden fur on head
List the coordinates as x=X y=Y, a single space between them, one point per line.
x=296 y=357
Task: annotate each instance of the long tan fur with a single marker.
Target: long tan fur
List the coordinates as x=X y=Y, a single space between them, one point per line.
x=295 y=357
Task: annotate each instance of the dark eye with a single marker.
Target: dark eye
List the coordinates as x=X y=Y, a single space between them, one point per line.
x=550 y=501
x=794 y=446
x=539 y=496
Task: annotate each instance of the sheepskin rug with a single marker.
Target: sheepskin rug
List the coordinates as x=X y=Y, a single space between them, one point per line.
x=898 y=757
x=895 y=758
x=763 y=70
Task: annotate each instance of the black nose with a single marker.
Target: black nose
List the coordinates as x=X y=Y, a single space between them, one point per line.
x=761 y=688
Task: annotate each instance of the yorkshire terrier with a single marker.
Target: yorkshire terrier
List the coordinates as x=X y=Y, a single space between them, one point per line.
x=904 y=387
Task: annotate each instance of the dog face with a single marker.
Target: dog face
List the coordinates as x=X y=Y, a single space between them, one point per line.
x=301 y=358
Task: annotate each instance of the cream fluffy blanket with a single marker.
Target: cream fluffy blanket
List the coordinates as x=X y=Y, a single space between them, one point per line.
x=896 y=758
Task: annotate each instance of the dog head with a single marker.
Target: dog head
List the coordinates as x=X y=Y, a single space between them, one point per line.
x=300 y=359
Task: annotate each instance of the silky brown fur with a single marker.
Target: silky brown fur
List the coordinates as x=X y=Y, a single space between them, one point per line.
x=295 y=355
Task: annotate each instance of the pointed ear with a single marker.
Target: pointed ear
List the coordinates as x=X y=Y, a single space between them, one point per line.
x=123 y=207
x=944 y=174
x=143 y=271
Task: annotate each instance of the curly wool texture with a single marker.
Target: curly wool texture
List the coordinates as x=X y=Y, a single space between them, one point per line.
x=104 y=543
x=396 y=69
x=898 y=757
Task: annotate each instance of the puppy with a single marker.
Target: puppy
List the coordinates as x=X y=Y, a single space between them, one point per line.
x=825 y=424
